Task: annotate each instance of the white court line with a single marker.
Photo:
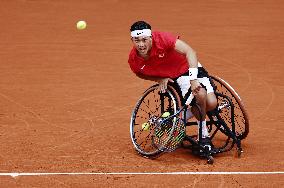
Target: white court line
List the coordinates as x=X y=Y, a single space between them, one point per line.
x=15 y=174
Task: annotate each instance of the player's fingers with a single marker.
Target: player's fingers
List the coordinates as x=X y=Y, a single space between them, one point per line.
x=198 y=87
x=165 y=87
x=171 y=80
x=162 y=88
x=195 y=90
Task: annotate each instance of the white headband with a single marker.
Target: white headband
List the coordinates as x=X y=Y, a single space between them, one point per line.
x=143 y=32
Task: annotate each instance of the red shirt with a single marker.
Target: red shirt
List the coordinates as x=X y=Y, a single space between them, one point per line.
x=164 y=60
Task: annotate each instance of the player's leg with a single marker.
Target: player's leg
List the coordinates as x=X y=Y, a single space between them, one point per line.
x=205 y=99
x=201 y=99
x=211 y=102
x=199 y=111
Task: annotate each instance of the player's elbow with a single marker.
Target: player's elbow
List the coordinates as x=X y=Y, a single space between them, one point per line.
x=191 y=53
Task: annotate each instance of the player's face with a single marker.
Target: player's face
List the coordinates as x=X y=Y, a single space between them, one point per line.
x=143 y=44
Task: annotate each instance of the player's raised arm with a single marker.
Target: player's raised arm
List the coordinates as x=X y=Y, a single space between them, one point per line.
x=191 y=57
x=184 y=48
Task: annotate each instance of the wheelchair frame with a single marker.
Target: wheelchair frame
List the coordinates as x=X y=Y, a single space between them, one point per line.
x=214 y=118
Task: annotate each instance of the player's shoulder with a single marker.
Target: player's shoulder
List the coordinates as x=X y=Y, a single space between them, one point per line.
x=163 y=34
x=164 y=39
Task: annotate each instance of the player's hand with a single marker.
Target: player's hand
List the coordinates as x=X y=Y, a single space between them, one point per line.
x=163 y=84
x=195 y=86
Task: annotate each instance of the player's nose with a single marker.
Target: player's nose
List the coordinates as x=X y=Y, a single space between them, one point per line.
x=141 y=46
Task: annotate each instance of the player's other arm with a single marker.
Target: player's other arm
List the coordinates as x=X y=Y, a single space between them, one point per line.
x=184 y=48
x=191 y=57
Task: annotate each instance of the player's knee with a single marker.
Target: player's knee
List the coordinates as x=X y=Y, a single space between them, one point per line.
x=201 y=96
x=211 y=102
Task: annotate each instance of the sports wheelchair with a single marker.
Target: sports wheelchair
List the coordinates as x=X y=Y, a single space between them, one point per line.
x=158 y=125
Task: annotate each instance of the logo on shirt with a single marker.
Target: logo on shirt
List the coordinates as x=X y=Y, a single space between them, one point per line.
x=161 y=55
x=142 y=67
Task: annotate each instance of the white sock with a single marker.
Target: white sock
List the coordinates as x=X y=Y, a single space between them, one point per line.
x=204 y=129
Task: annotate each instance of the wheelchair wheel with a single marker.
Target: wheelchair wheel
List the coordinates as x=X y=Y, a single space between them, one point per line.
x=236 y=118
x=150 y=107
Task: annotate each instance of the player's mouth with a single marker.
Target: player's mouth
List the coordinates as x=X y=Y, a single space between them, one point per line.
x=142 y=50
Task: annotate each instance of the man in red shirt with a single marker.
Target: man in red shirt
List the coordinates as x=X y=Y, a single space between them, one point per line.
x=162 y=57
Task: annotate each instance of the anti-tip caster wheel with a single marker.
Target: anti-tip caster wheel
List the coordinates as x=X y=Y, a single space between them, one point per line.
x=239 y=151
x=210 y=160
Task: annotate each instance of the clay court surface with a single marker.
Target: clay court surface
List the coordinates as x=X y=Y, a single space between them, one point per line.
x=66 y=96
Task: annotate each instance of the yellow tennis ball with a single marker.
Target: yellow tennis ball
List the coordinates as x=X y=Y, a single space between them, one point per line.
x=145 y=126
x=165 y=114
x=81 y=25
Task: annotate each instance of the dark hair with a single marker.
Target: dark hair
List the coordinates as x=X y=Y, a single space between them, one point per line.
x=139 y=25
